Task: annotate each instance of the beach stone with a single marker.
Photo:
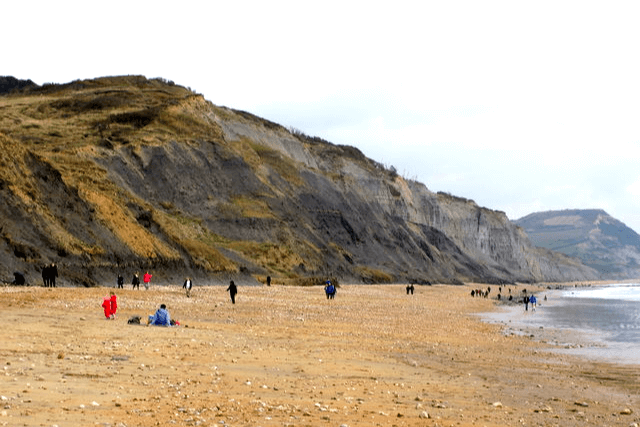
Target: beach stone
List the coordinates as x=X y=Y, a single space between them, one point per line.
x=497 y=404
x=424 y=415
x=626 y=411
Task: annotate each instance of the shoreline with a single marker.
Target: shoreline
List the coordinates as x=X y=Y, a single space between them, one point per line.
x=288 y=356
x=539 y=325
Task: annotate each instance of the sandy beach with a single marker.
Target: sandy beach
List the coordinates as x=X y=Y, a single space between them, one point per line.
x=287 y=356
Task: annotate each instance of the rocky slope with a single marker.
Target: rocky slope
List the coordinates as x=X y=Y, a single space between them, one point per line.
x=595 y=237
x=125 y=173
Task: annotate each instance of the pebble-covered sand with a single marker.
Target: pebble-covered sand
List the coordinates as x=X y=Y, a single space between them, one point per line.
x=287 y=356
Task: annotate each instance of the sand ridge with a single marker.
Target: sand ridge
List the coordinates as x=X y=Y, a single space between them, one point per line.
x=287 y=356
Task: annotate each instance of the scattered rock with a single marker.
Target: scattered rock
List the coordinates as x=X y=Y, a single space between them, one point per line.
x=626 y=411
x=424 y=415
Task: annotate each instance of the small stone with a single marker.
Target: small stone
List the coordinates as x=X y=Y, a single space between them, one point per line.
x=583 y=404
x=626 y=411
x=424 y=415
x=497 y=404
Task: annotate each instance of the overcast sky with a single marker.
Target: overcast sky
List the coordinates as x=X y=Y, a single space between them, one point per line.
x=520 y=106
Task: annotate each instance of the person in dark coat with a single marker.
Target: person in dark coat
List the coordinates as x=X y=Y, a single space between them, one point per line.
x=120 y=281
x=45 y=276
x=135 y=281
x=268 y=280
x=53 y=273
x=233 y=290
x=18 y=278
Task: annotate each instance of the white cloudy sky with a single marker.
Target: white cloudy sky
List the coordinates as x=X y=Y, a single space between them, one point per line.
x=522 y=106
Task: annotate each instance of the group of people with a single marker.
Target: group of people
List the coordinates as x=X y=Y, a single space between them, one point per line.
x=481 y=293
x=135 y=281
x=330 y=290
x=49 y=274
x=530 y=300
x=110 y=305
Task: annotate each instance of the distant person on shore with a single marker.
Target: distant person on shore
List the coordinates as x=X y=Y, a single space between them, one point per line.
x=233 y=290
x=268 y=280
x=161 y=317
x=45 y=276
x=53 y=274
x=120 y=281
x=136 y=281
x=533 y=300
x=410 y=289
x=526 y=303
x=330 y=290
x=188 y=284
x=147 y=280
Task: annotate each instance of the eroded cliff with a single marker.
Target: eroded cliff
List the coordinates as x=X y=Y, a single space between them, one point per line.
x=127 y=173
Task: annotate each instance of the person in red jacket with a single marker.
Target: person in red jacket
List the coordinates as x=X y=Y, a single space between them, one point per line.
x=114 y=304
x=146 y=279
x=106 y=304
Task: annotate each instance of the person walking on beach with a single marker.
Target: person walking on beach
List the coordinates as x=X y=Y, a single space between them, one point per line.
x=136 y=281
x=147 y=279
x=120 y=281
x=113 y=302
x=106 y=305
x=45 y=276
x=533 y=300
x=233 y=290
x=268 y=280
x=53 y=273
x=187 y=285
x=526 y=303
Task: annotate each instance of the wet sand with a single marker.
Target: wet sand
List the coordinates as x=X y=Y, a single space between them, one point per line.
x=286 y=356
x=580 y=327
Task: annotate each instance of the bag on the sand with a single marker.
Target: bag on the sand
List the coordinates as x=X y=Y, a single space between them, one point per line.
x=134 y=320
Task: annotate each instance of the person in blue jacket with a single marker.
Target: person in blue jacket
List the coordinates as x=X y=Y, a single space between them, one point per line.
x=330 y=290
x=161 y=317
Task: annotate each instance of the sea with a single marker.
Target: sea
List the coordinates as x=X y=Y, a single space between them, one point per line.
x=598 y=322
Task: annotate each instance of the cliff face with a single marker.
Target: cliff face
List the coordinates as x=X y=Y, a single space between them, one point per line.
x=124 y=174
